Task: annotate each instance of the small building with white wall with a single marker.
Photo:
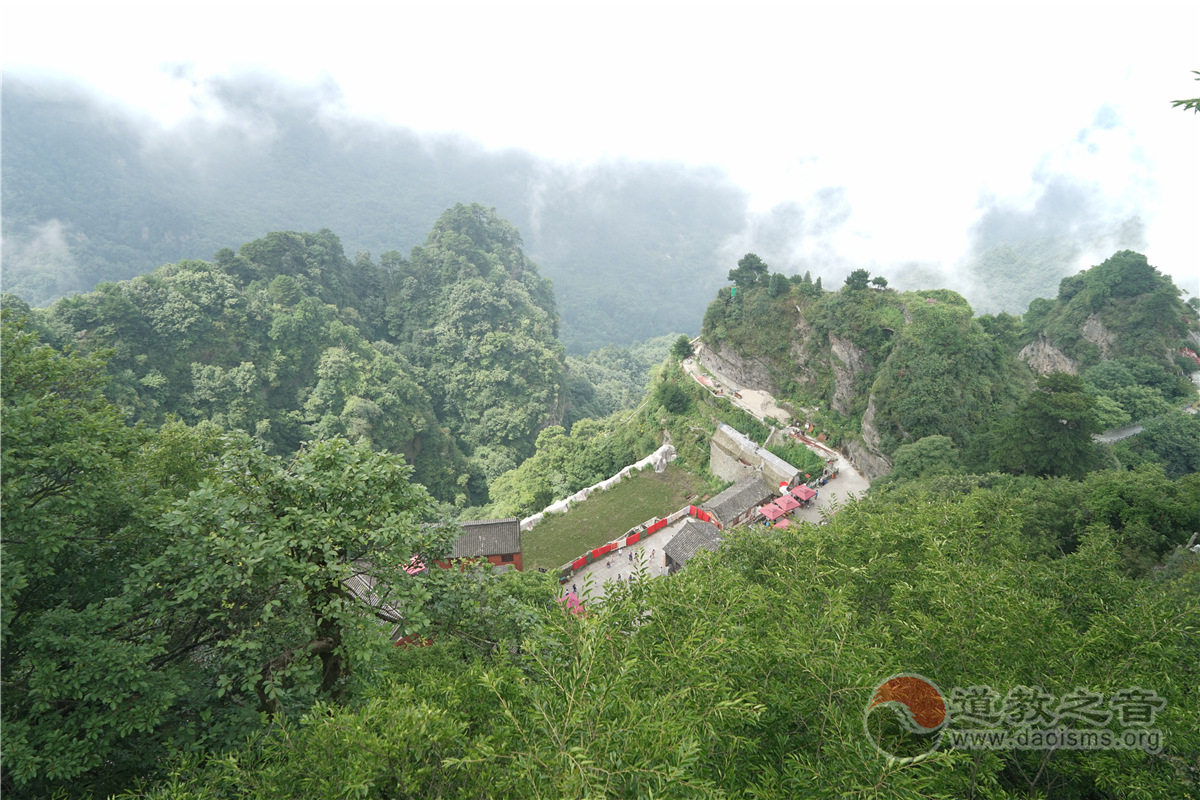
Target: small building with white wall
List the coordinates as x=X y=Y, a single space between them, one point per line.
x=734 y=456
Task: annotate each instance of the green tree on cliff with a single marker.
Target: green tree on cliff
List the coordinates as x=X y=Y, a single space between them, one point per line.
x=1051 y=431
x=751 y=270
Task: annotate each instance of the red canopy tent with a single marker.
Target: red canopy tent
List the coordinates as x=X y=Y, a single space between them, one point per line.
x=787 y=503
x=771 y=511
x=783 y=523
x=802 y=492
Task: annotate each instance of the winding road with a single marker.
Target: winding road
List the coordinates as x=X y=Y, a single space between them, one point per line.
x=648 y=560
x=761 y=405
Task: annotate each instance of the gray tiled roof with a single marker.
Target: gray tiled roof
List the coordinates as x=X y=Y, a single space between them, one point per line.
x=362 y=584
x=488 y=537
x=737 y=499
x=693 y=537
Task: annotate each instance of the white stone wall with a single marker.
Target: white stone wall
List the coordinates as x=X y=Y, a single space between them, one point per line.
x=658 y=459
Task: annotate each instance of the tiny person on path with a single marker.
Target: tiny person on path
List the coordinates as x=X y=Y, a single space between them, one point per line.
x=574 y=588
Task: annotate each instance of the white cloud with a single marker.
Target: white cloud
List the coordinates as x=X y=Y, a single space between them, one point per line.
x=917 y=109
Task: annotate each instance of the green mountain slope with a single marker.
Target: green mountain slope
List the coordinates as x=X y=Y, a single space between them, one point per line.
x=1122 y=308
x=900 y=366
x=176 y=602
x=450 y=357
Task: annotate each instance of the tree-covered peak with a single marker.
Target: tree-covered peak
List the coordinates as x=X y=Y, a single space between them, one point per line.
x=1122 y=307
x=922 y=298
x=483 y=226
x=450 y=352
x=1125 y=274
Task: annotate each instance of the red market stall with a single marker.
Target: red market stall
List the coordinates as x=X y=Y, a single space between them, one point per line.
x=803 y=493
x=771 y=511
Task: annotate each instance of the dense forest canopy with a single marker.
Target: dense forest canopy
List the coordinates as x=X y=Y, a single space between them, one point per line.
x=170 y=590
x=450 y=357
x=174 y=609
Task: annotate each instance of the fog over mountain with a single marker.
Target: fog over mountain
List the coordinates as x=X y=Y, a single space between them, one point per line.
x=94 y=190
x=1074 y=213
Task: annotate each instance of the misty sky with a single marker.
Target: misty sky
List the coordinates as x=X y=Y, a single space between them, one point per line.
x=896 y=132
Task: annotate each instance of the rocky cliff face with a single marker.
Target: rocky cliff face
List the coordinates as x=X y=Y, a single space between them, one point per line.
x=872 y=465
x=900 y=365
x=850 y=361
x=1093 y=330
x=1044 y=358
x=748 y=372
x=865 y=455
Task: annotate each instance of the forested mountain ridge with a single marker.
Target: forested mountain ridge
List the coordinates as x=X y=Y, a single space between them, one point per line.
x=1120 y=309
x=94 y=193
x=450 y=357
x=168 y=590
x=900 y=366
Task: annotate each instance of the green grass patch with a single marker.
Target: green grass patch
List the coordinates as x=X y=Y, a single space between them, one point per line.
x=799 y=457
x=607 y=515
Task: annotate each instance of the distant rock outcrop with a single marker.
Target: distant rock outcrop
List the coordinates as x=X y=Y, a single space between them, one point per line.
x=850 y=363
x=1122 y=308
x=1044 y=358
x=1093 y=330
